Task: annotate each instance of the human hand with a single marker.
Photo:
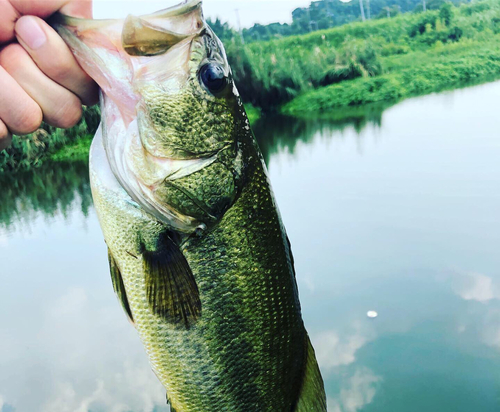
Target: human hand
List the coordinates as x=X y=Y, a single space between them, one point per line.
x=39 y=77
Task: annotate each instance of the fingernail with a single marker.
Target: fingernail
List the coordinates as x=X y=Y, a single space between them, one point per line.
x=30 y=32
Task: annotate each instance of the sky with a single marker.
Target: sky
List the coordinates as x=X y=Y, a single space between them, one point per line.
x=250 y=11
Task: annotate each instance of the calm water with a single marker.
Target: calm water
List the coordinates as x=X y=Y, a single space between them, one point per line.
x=396 y=212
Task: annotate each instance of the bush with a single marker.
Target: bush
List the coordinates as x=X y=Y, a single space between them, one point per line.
x=449 y=72
x=28 y=151
x=446 y=13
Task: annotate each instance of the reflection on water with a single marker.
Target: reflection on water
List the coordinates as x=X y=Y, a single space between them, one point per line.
x=397 y=212
x=283 y=132
x=51 y=190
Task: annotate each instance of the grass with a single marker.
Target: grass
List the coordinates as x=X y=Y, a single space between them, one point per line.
x=253 y=113
x=448 y=72
x=369 y=62
x=74 y=151
x=31 y=151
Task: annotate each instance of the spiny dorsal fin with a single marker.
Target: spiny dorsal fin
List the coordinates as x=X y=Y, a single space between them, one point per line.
x=119 y=286
x=140 y=38
x=171 y=289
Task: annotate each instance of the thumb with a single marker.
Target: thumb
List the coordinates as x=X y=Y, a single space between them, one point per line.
x=11 y=10
x=44 y=8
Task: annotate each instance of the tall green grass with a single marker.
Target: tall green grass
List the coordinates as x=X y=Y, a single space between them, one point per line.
x=32 y=150
x=269 y=74
x=449 y=72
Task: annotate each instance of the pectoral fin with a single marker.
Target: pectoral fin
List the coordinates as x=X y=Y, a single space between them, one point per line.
x=171 y=289
x=118 y=286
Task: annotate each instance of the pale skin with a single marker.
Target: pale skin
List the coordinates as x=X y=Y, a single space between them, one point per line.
x=40 y=79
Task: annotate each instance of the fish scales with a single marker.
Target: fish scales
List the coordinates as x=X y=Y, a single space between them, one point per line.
x=199 y=256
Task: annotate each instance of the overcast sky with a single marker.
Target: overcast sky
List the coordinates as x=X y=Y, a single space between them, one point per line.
x=250 y=11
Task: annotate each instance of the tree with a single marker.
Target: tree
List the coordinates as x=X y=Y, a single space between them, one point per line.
x=446 y=13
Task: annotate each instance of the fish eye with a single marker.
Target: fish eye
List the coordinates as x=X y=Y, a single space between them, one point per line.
x=213 y=77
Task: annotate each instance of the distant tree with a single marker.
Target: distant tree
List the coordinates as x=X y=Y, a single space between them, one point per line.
x=222 y=30
x=324 y=14
x=446 y=13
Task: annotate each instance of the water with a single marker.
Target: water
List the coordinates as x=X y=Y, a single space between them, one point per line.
x=397 y=212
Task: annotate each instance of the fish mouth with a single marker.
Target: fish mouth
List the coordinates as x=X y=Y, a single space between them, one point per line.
x=181 y=9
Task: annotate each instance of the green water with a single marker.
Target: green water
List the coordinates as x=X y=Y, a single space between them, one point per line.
x=397 y=212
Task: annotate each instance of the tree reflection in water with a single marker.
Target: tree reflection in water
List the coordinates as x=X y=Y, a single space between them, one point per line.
x=278 y=132
x=52 y=189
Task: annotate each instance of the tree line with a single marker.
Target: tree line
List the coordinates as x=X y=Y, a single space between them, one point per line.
x=325 y=14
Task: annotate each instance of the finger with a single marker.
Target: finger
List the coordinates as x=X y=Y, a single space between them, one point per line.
x=11 y=10
x=18 y=110
x=60 y=107
x=5 y=136
x=54 y=58
x=8 y=17
x=76 y=8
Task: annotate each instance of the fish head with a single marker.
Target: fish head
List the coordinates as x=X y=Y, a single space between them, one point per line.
x=174 y=126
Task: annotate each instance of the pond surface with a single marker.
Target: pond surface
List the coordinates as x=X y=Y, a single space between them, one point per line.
x=396 y=212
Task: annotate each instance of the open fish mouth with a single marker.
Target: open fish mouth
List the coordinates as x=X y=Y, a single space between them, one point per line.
x=178 y=10
x=126 y=57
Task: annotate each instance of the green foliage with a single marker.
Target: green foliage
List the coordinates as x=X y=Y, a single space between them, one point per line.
x=30 y=151
x=253 y=113
x=76 y=150
x=446 y=13
x=325 y=14
x=269 y=74
x=448 y=73
x=470 y=9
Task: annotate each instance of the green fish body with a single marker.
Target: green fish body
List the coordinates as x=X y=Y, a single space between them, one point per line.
x=199 y=257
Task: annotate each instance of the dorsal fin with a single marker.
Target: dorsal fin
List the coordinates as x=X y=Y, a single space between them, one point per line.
x=171 y=289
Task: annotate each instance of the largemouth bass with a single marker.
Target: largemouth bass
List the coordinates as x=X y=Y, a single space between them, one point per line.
x=199 y=257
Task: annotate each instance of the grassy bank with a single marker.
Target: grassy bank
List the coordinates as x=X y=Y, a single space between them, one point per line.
x=446 y=73
x=31 y=151
x=370 y=62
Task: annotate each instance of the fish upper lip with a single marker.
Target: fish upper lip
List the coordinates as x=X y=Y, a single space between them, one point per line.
x=185 y=7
